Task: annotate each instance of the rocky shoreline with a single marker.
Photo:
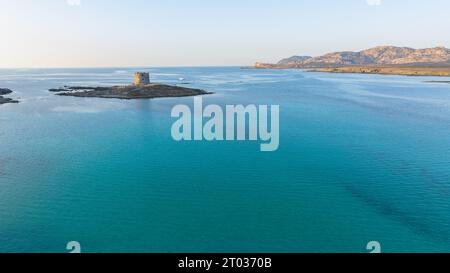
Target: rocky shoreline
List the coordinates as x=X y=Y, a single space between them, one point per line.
x=390 y=70
x=128 y=92
x=447 y=82
x=3 y=100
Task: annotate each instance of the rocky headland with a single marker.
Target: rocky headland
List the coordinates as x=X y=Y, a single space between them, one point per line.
x=377 y=60
x=128 y=92
x=3 y=100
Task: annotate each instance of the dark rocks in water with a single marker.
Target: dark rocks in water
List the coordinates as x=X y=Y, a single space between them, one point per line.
x=78 y=88
x=149 y=91
x=59 y=90
x=5 y=91
x=7 y=100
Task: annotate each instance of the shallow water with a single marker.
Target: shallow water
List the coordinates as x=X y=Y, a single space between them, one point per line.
x=361 y=158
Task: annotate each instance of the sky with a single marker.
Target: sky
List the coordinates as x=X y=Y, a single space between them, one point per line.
x=116 y=33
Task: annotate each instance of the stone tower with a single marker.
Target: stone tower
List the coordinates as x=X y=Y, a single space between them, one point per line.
x=141 y=78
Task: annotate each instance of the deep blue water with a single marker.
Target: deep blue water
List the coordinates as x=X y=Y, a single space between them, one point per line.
x=361 y=158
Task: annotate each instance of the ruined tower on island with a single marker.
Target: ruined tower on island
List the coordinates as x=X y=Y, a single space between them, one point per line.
x=141 y=78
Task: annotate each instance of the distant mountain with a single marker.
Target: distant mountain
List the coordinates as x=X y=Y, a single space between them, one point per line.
x=294 y=60
x=377 y=56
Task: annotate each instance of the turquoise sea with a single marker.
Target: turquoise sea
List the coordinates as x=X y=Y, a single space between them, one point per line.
x=362 y=158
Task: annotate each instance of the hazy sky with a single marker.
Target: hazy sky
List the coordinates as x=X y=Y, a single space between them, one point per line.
x=67 y=33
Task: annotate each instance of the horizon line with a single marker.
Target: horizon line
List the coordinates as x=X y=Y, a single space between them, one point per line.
x=131 y=66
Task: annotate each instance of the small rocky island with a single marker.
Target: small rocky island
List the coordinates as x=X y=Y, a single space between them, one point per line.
x=5 y=91
x=141 y=89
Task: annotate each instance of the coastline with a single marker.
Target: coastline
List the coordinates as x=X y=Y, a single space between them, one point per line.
x=444 y=82
x=389 y=70
x=7 y=100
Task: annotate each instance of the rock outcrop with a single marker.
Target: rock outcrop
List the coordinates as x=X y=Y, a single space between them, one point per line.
x=5 y=91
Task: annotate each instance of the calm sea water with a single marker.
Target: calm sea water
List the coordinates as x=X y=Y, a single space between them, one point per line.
x=361 y=158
